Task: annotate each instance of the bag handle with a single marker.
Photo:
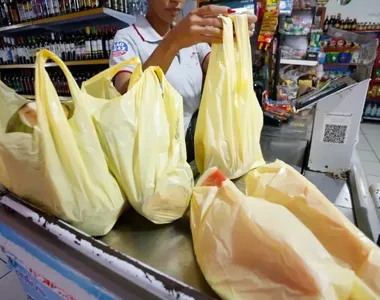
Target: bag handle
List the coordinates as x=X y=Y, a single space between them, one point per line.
x=111 y=72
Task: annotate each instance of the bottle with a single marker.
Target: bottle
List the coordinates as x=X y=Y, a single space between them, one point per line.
x=374 y=111
x=338 y=21
x=105 y=42
x=21 y=11
x=12 y=6
x=110 y=41
x=5 y=15
x=74 y=5
x=347 y=25
x=94 y=48
x=67 y=48
x=72 y=46
x=99 y=44
x=326 y=25
x=78 y=50
x=88 y=43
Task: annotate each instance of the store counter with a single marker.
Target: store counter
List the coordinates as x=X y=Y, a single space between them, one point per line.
x=137 y=259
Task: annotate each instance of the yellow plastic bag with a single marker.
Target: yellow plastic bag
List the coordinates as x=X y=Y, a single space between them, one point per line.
x=60 y=167
x=101 y=85
x=230 y=119
x=143 y=138
x=281 y=184
x=248 y=248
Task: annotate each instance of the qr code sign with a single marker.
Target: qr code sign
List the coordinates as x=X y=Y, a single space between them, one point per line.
x=335 y=134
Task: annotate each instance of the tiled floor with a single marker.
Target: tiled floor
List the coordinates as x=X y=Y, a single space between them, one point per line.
x=369 y=152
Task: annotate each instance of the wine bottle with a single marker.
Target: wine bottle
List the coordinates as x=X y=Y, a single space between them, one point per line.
x=99 y=43
x=326 y=25
x=94 y=48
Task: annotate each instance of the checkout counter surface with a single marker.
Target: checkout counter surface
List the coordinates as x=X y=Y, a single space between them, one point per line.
x=169 y=249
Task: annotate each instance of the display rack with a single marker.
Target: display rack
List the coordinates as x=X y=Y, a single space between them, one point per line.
x=76 y=17
x=281 y=36
x=67 y=63
x=66 y=24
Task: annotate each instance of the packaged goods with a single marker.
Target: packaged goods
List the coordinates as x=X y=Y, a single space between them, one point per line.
x=249 y=248
x=281 y=184
x=230 y=118
x=59 y=167
x=143 y=139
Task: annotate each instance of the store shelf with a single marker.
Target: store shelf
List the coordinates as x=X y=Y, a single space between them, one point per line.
x=375 y=81
x=373 y=99
x=86 y=15
x=32 y=97
x=298 y=62
x=371 y=118
x=332 y=49
x=68 y=63
x=285 y=33
x=366 y=31
x=339 y=64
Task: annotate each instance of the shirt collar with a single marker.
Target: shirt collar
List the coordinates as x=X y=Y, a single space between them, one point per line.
x=146 y=31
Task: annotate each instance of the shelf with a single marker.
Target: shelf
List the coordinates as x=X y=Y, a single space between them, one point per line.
x=67 y=63
x=339 y=64
x=86 y=15
x=285 y=33
x=332 y=49
x=298 y=62
x=375 y=81
x=366 y=31
x=371 y=118
x=373 y=99
x=32 y=97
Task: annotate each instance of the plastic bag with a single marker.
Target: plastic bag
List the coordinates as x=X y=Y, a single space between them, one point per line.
x=281 y=184
x=60 y=167
x=143 y=138
x=101 y=85
x=230 y=119
x=249 y=248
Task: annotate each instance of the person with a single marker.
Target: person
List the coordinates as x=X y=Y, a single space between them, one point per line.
x=181 y=50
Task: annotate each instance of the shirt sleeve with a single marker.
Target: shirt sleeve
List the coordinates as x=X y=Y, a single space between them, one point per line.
x=123 y=49
x=203 y=51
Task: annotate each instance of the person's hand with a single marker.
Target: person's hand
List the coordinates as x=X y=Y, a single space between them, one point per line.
x=203 y=26
x=252 y=19
x=199 y=26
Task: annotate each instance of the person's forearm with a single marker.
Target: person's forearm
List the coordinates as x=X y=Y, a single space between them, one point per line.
x=163 y=55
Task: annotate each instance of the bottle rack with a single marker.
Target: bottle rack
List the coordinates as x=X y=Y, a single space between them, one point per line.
x=63 y=23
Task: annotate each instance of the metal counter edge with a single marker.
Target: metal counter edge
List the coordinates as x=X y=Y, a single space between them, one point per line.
x=141 y=277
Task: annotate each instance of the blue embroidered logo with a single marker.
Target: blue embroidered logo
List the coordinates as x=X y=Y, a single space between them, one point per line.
x=119 y=49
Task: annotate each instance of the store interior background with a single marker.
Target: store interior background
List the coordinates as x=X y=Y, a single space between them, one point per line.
x=368 y=146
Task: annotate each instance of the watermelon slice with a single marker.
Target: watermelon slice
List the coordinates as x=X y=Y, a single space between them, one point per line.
x=212 y=177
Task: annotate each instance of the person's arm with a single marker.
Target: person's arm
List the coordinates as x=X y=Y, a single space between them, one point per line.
x=199 y=26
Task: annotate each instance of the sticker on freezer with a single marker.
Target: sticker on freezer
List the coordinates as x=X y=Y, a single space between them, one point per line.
x=336 y=127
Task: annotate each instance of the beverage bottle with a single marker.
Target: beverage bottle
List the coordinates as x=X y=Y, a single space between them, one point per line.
x=78 y=50
x=105 y=42
x=94 y=48
x=67 y=6
x=12 y=6
x=72 y=46
x=74 y=5
x=1 y=51
x=88 y=43
x=82 y=5
x=326 y=25
x=110 y=41
x=99 y=43
x=31 y=14
x=21 y=11
x=67 y=48
x=5 y=14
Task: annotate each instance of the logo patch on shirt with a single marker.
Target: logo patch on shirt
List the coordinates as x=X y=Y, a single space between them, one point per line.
x=119 y=49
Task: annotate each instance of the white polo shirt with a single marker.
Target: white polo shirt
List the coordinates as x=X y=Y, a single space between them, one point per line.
x=185 y=73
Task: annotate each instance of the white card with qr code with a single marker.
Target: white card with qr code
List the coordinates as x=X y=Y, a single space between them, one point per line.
x=336 y=127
